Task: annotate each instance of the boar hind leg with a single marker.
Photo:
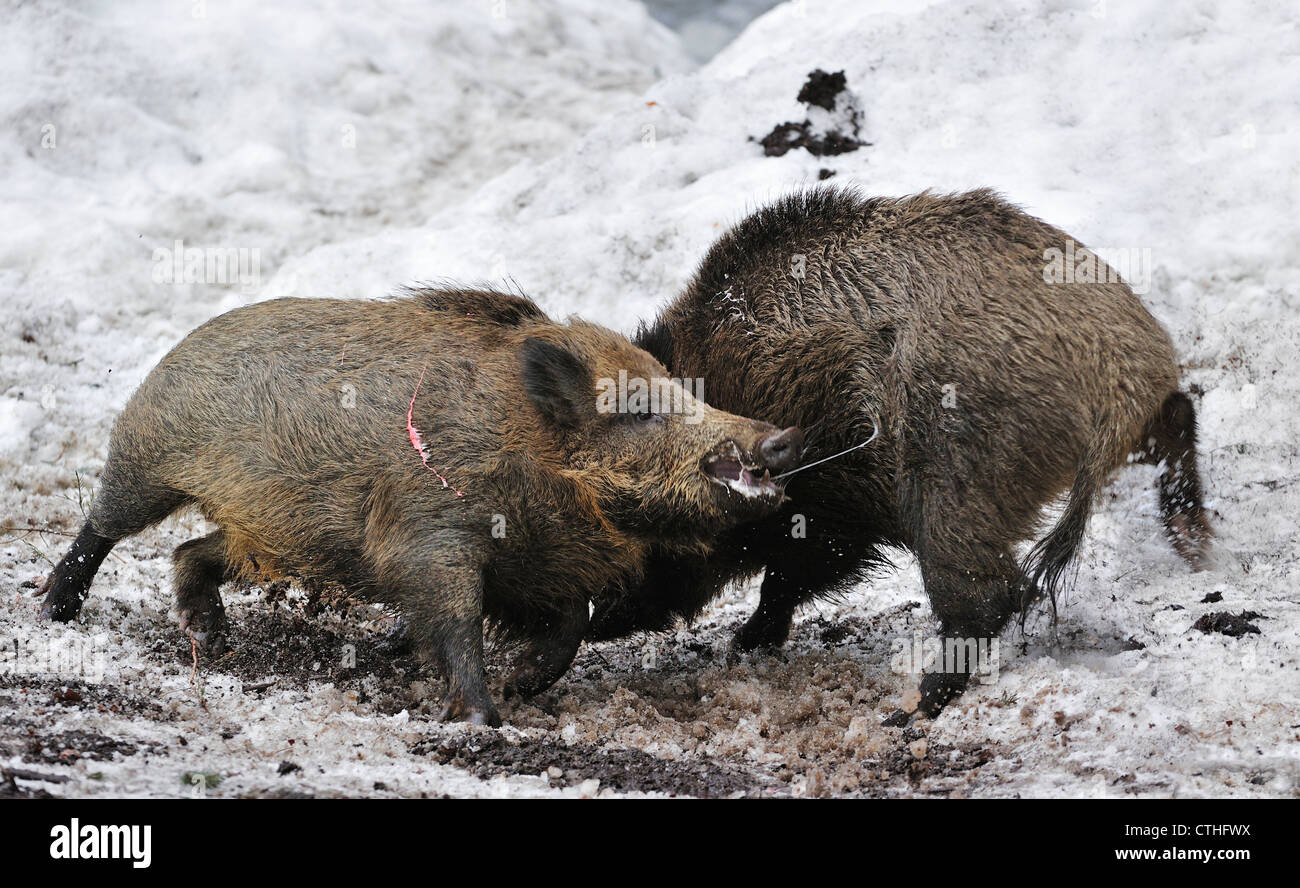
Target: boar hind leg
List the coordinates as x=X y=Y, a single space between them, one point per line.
x=548 y=657
x=973 y=598
x=124 y=505
x=200 y=569
x=974 y=602
x=974 y=585
x=1170 y=441
x=68 y=585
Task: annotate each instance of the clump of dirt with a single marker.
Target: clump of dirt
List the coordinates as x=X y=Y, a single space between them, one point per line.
x=1232 y=625
x=786 y=136
x=67 y=747
x=487 y=754
x=822 y=89
x=292 y=645
x=833 y=128
x=18 y=688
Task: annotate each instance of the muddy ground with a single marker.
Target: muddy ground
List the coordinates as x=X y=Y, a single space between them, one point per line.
x=316 y=697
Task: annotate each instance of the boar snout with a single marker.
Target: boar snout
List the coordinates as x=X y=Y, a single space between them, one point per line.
x=749 y=470
x=780 y=451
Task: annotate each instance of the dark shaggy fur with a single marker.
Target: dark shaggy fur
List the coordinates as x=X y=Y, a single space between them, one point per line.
x=286 y=423
x=842 y=314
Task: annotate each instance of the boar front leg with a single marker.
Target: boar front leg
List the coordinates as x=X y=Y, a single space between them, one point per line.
x=547 y=657
x=201 y=568
x=797 y=571
x=456 y=643
x=443 y=604
x=673 y=586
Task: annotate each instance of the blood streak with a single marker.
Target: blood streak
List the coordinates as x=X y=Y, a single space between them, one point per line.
x=417 y=440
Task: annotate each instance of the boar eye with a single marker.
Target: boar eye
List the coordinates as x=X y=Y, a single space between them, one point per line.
x=646 y=418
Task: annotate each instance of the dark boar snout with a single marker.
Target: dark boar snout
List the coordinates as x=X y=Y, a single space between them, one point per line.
x=779 y=452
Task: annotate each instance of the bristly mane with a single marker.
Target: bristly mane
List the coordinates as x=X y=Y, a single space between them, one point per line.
x=504 y=309
x=656 y=338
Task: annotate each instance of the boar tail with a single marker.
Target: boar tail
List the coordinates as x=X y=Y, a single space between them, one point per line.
x=1046 y=564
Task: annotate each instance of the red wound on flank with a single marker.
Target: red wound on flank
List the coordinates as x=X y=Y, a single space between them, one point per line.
x=417 y=440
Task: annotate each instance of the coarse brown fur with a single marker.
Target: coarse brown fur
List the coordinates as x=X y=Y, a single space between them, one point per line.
x=286 y=423
x=994 y=392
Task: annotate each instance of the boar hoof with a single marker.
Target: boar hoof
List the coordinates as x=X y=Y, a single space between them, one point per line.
x=899 y=719
x=760 y=632
x=526 y=682
x=59 y=611
x=211 y=643
x=208 y=629
x=473 y=715
x=938 y=688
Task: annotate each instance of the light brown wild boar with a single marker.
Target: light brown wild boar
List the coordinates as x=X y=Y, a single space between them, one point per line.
x=445 y=453
x=992 y=385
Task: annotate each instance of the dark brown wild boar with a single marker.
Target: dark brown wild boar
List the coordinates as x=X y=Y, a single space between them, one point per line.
x=446 y=453
x=929 y=320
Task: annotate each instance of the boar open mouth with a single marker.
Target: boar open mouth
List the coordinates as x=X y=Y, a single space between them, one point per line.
x=729 y=468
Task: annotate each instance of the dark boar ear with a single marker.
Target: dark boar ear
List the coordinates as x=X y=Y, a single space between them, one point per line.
x=558 y=383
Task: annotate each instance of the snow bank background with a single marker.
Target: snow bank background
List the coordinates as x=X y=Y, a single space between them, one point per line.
x=572 y=149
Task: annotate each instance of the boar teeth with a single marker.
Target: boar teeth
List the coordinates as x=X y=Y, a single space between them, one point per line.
x=749 y=486
x=731 y=472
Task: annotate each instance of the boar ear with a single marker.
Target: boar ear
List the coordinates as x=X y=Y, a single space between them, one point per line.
x=558 y=383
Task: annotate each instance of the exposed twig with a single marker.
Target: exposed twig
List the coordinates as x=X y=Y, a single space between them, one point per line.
x=41 y=554
x=23 y=774
x=21 y=533
x=194 y=671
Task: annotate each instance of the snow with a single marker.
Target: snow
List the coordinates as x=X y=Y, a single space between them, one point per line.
x=571 y=148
